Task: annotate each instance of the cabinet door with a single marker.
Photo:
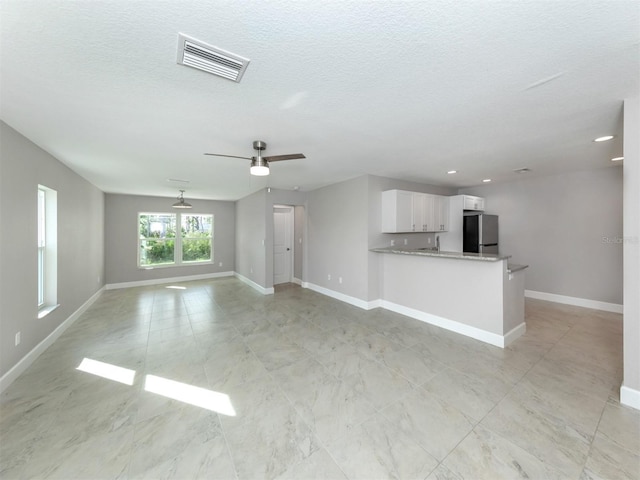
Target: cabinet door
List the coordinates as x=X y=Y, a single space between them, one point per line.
x=441 y=213
x=397 y=211
x=418 y=216
x=404 y=212
x=429 y=217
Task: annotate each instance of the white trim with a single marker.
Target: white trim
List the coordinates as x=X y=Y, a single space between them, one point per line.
x=514 y=333
x=630 y=397
x=159 y=281
x=251 y=283
x=452 y=325
x=579 y=302
x=297 y=281
x=26 y=361
x=342 y=297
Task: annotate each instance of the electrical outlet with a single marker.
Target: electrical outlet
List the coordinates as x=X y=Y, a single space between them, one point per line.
x=339 y=279
x=405 y=241
x=220 y=264
x=251 y=269
x=429 y=240
x=98 y=279
x=329 y=277
x=17 y=339
x=393 y=242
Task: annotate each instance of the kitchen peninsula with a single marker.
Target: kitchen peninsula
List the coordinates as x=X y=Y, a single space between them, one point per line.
x=478 y=295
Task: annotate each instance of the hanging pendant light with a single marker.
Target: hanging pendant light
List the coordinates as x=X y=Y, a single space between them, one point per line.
x=181 y=203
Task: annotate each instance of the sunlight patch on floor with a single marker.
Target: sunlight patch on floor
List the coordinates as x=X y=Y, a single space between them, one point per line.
x=200 y=397
x=106 y=370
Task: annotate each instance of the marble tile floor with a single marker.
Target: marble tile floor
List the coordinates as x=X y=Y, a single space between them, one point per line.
x=210 y=379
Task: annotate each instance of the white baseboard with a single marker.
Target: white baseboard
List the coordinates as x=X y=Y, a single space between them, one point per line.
x=630 y=397
x=578 y=302
x=251 y=283
x=342 y=297
x=514 y=333
x=160 y=281
x=297 y=281
x=452 y=325
x=26 y=361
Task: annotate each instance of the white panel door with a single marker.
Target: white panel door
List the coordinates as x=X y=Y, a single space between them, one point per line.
x=282 y=225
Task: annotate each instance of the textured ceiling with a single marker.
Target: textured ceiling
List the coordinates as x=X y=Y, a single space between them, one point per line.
x=406 y=90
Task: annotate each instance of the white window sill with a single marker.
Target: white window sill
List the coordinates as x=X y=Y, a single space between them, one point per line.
x=44 y=311
x=173 y=265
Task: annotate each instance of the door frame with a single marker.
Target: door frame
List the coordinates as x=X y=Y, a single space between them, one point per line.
x=290 y=212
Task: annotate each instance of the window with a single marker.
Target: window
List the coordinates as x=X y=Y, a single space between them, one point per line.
x=47 y=218
x=196 y=238
x=159 y=245
x=42 y=238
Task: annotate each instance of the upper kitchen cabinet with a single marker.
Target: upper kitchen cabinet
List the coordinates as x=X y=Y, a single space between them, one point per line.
x=397 y=211
x=473 y=203
x=404 y=212
x=440 y=213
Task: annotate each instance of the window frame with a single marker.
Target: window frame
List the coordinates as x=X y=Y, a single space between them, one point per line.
x=42 y=245
x=177 y=244
x=47 y=250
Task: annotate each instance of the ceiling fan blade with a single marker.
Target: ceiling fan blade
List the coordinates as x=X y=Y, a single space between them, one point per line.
x=230 y=156
x=277 y=158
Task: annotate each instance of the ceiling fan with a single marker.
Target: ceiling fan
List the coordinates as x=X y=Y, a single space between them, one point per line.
x=260 y=164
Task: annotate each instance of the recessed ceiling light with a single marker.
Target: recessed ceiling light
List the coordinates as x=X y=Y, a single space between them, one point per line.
x=486 y=180
x=603 y=139
x=451 y=172
x=617 y=159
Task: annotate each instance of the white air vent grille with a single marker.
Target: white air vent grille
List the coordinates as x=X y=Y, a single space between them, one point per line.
x=210 y=59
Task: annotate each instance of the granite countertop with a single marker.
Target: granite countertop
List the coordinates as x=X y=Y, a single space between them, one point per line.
x=515 y=267
x=486 y=257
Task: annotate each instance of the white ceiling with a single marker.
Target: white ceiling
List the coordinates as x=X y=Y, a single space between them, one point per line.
x=406 y=90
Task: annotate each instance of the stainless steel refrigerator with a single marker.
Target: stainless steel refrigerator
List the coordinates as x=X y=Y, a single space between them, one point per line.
x=480 y=234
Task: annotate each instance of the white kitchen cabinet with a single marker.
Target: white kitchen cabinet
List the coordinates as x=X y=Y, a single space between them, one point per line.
x=440 y=213
x=473 y=203
x=404 y=211
x=397 y=211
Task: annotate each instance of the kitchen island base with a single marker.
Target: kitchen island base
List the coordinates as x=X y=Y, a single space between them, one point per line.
x=480 y=297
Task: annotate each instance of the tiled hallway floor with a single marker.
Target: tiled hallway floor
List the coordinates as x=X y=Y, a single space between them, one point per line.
x=298 y=385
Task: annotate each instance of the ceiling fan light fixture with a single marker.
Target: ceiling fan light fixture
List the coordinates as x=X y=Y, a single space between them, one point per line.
x=259 y=167
x=181 y=203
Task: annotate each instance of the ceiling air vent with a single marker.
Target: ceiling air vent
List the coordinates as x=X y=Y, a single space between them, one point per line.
x=210 y=59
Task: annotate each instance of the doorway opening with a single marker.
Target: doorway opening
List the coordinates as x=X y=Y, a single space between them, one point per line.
x=283 y=244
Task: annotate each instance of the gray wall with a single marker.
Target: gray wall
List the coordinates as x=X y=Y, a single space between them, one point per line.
x=254 y=233
x=632 y=244
x=122 y=233
x=559 y=226
x=251 y=218
x=81 y=271
x=337 y=226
